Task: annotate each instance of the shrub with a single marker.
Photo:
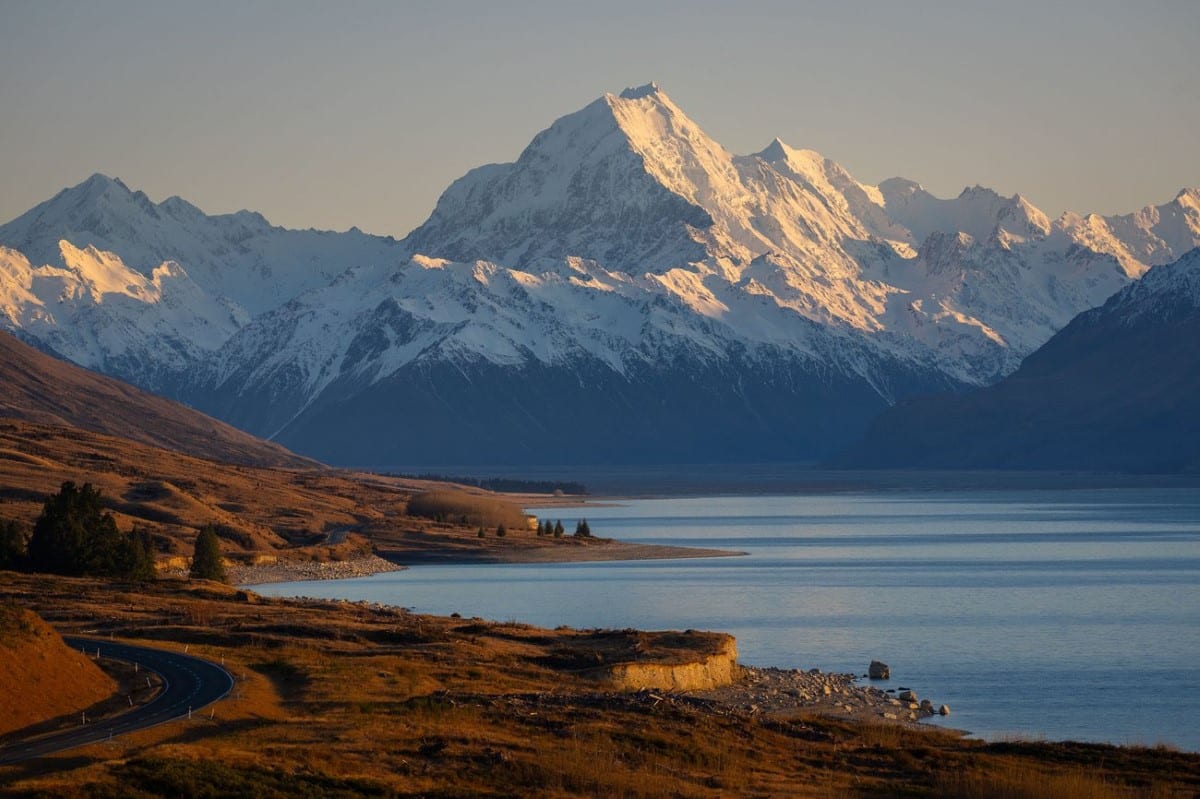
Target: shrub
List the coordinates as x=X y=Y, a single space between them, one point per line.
x=477 y=509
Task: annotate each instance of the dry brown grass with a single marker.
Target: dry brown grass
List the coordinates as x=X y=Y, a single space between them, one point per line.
x=1028 y=781
x=287 y=513
x=341 y=699
x=41 y=676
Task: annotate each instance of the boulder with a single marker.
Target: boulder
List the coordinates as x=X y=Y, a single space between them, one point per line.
x=879 y=671
x=908 y=696
x=944 y=710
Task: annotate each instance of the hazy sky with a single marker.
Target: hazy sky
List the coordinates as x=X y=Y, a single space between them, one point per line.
x=358 y=113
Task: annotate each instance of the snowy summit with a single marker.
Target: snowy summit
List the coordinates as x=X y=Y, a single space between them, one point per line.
x=623 y=285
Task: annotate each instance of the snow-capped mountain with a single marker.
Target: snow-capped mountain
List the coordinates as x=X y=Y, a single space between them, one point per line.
x=1116 y=389
x=240 y=257
x=96 y=311
x=627 y=289
x=108 y=279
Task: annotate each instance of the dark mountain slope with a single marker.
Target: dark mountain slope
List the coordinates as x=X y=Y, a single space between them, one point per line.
x=1117 y=389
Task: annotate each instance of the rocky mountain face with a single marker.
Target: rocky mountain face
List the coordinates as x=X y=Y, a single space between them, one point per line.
x=1117 y=389
x=626 y=291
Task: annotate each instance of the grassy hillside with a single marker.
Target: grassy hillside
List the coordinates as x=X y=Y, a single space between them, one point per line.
x=35 y=387
x=41 y=676
x=273 y=511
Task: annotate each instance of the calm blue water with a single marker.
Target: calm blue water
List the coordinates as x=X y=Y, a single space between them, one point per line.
x=1068 y=615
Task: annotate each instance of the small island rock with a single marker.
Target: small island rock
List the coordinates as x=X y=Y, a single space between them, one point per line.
x=879 y=671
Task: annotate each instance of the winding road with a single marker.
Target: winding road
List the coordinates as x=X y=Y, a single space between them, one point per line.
x=189 y=683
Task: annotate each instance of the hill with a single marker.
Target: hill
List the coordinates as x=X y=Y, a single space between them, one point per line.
x=42 y=676
x=36 y=387
x=1117 y=390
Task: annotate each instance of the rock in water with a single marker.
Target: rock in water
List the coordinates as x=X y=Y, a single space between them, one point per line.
x=944 y=710
x=879 y=671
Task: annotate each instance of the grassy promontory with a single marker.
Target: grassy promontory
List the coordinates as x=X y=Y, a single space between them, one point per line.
x=345 y=699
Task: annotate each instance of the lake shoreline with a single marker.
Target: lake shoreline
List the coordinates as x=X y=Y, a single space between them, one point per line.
x=385 y=561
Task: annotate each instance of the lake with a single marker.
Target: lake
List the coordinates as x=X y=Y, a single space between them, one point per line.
x=1057 y=614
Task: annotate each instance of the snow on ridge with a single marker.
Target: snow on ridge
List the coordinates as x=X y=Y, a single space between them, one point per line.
x=639 y=92
x=622 y=233
x=239 y=256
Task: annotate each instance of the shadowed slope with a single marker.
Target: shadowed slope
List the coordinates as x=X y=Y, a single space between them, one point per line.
x=38 y=388
x=1117 y=389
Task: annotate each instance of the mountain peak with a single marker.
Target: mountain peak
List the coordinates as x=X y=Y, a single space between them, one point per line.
x=1188 y=197
x=775 y=151
x=638 y=92
x=97 y=184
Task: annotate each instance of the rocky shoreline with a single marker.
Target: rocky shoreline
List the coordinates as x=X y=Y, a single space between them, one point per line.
x=296 y=571
x=756 y=691
x=782 y=692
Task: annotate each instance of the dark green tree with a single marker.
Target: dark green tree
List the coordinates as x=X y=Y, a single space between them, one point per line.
x=76 y=536
x=541 y=528
x=481 y=533
x=583 y=529
x=558 y=529
x=501 y=531
x=140 y=556
x=206 y=559
x=13 y=545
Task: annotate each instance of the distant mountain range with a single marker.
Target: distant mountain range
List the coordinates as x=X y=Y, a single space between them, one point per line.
x=626 y=291
x=1118 y=389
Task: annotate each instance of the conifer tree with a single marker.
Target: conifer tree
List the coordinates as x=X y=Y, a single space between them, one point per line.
x=558 y=529
x=141 y=556
x=75 y=536
x=206 y=559
x=12 y=545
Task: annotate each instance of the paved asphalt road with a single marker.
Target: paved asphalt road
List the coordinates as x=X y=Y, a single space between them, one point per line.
x=190 y=683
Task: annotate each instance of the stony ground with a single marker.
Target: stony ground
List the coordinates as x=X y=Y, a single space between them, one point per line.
x=788 y=691
x=292 y=571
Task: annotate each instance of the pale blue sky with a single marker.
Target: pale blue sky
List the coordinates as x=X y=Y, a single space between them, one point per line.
x=360 y=113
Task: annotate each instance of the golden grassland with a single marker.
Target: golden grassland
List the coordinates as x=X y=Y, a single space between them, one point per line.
x=41 y=677
x=341 y=699
x=280 y=512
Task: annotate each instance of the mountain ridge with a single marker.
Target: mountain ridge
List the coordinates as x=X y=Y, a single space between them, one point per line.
x=622 y=249
x=1116 y=389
